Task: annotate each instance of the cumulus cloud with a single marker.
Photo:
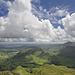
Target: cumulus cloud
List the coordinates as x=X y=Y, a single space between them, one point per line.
x=58 y=12
x=69 y=25
x=13 y=25
x=22 y=25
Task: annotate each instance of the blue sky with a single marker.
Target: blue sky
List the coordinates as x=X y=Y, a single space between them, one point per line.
x=54 y=19
x=54 y=3
x=48 y=4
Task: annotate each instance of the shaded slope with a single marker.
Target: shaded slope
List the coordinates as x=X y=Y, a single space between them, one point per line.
x=68 y=56
x=65 y=57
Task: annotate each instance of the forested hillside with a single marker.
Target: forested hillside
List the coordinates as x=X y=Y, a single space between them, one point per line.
x=35 y=60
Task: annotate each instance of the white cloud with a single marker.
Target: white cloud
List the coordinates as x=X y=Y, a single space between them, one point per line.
x=41 y=8
x=59 y=13
x=14 y=25
x=22 y=25
x=56 y=13
x=1 y=1
x=69 y=25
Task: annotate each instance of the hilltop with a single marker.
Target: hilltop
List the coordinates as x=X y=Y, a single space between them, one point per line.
x=43 y=70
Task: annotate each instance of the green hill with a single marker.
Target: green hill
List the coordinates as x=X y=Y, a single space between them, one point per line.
x=29 y=58
x=8 y=73
x=35 y=57
x=53 y=70
x=43 y=70
x=38 y=61
x=66 y=56
x=22 y=71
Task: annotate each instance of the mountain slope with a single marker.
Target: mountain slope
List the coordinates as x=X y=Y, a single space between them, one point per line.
x=66 y=57
x=35 y=57
x=22 y=71
x=43 y=70
x=53 y=70
x=30 y=57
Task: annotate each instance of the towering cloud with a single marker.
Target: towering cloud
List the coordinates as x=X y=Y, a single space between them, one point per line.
x=69 y=26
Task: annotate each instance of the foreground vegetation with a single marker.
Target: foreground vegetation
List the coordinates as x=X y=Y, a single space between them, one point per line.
x=43 y=70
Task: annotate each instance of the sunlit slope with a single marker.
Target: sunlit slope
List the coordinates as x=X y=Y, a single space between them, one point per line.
x=31 y=55
x=8 y=73
x=53 y=70
x=43 y=70
x=22 y=71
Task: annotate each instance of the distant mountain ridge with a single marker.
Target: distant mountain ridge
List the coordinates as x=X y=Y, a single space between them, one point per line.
x=69 y=44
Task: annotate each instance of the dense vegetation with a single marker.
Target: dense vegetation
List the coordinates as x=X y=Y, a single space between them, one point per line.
x=43 y=70
x=38 y=60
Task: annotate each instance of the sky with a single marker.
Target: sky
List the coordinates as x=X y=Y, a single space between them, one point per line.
x=37 y=20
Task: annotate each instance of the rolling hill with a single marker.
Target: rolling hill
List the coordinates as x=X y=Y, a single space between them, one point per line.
x=30 y=57
x=39 y=60
x=43 y=70
x=33 y=57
